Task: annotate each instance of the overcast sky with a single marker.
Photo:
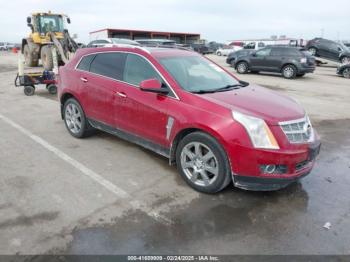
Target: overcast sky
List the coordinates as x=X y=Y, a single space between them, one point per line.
x=219 y=20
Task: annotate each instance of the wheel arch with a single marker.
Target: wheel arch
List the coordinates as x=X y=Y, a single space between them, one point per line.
x=186 y=131
x=63 y=100
x=287 y=64
x=240 y=61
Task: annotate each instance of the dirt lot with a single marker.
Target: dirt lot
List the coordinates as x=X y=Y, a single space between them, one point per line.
x=103 y=195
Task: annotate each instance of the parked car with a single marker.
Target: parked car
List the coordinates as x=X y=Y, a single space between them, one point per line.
x=156 y=42
x=214 y=127
x=232 y=57
x=109 y=42
x=215 y=46
x=329 y=49
x=344 y=70
x=255 y=45
x=226 y=50
x=290 y=61
x=202 y=49
x=3 y=46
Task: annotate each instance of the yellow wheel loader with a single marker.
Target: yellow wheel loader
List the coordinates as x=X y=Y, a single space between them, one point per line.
x=48 y=31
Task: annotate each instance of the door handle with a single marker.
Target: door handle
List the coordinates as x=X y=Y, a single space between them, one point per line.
x=121 y=94
x=83 y=79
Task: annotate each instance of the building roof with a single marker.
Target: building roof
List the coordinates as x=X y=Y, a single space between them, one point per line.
x=142 y=31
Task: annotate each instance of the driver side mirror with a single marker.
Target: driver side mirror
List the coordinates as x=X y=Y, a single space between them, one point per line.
x=29 y=20
x=68 y=20
x=154 y=86
x=254 y=54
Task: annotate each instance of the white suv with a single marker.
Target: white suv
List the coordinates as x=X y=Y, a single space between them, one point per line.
x=226 y=50
x=110 y=42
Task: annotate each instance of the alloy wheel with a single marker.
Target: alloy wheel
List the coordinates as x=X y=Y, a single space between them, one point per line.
x=346 y=73
x=73 y=118
x=199 y=164
x=312 y=51
x=242 y=68
x=288 y=72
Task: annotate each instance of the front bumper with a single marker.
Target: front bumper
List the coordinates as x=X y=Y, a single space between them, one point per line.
x=247 y=174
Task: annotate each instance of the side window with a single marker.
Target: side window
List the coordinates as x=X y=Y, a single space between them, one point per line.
x=109 y=64
x=85 y=63
x=276 y=52
x=263 y=52
x=138 y=69
x=261 y=45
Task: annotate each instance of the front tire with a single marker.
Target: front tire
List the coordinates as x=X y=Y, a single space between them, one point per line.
x=46 y=57
x=242 y=67
x=219 y=53
x=28 y=57
x=202 y=163
x=75 y=119
x=289 y=71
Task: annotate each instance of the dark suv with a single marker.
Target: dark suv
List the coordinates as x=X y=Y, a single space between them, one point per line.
x=329 y=49
x=290 y=61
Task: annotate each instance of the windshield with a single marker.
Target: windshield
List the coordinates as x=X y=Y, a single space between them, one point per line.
x=195 y=73
x=51 y=23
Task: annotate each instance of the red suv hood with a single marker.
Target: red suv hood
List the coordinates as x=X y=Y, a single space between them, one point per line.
x=259 y=102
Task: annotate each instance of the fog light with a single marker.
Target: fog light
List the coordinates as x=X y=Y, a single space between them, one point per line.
x=273 y=169
x=269 y=169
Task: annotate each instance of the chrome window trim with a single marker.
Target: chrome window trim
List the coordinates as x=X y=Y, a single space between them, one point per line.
x=295 y=121
x=121 y=81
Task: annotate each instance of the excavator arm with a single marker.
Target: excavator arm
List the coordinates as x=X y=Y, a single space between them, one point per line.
x=65 y=47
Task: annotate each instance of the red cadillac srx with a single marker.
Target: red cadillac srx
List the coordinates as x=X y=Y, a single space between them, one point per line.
x=214 y=127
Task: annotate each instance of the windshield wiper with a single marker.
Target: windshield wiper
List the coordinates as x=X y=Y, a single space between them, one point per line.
x=231 y=87
x=224 y=88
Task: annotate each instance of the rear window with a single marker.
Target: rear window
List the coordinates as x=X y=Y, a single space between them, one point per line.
x=109 y=65
x=85 y=62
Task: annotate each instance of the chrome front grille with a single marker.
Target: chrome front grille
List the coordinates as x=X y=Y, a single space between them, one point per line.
x=298 y=131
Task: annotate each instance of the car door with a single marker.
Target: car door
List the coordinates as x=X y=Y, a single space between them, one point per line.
x=100 y=85
x=277 y=57
x=334 y=51
x=258 y=60
x=142 y=113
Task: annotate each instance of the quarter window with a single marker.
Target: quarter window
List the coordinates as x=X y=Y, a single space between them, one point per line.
x=263 y=52
x=109 y=65
x=138 y=69
x=85 y=63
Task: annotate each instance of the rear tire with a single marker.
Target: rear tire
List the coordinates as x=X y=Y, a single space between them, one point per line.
x=346 y=72
x=202 y=163
x=46 y=57
x=28 y=57
x=218 y=53
x=289 y=71
x=75 y=119
x=242 y=67
x=52 y=89
x=29 y=90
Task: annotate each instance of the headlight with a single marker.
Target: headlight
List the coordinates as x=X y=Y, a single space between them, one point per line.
x=258 y=131
x=303 y=60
